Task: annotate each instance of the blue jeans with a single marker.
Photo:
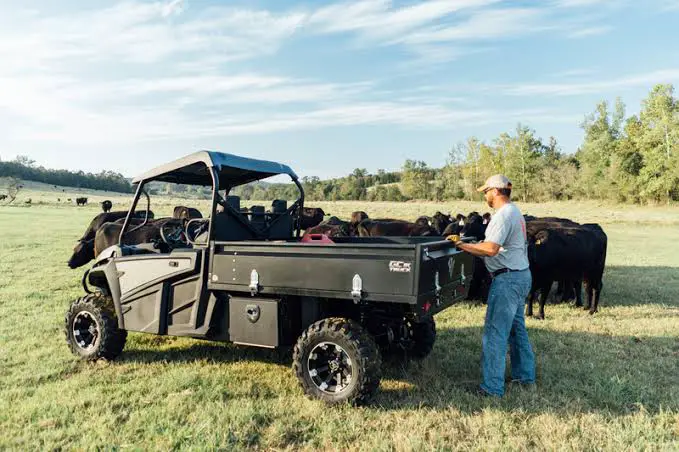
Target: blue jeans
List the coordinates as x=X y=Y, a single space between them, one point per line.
x=505 y=323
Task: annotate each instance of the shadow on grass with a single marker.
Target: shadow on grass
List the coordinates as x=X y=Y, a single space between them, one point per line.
x=577 y=372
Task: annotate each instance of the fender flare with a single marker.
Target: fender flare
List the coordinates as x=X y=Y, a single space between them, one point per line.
x=107 y=271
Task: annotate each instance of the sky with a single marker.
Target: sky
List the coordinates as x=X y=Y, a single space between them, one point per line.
x=324 y=86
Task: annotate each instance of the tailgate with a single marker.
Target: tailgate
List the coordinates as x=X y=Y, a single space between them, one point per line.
x=444 y=276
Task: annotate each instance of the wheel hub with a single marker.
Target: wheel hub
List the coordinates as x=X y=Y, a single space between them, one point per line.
x=85 y=330
x=330 y=368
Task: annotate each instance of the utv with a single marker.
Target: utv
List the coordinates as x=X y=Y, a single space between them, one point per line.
x=246 y=276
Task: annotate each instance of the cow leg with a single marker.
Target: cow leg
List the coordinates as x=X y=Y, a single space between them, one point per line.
x=529 y=304
x=596 y=295
x=543 y=299
x=578 y=292
x=589 y=292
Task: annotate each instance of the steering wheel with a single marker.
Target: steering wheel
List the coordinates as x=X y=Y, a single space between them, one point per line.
x=173 y=234
x=191 y=233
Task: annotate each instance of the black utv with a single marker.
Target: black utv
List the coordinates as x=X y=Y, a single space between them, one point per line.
x=246 y=276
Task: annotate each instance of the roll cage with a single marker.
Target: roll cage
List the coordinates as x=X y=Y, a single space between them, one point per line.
x=220 y=171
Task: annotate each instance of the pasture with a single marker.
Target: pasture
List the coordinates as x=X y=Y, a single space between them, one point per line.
x=609 y=381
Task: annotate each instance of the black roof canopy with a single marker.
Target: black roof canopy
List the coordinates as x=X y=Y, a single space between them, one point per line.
x=233 y=170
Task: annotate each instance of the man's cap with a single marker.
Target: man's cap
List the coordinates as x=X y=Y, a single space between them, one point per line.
x=496 y=181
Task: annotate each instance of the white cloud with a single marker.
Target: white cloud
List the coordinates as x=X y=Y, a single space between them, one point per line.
x=580 y=3
x=590 y=31
x=581 y=88
x=379 y=18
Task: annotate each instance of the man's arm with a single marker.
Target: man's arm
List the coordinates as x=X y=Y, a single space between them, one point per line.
x=483 y=249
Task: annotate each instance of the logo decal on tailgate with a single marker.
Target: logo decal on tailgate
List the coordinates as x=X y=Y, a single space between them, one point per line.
x=400 y=267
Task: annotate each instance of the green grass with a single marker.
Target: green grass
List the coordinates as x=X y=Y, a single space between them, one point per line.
x=610 y=381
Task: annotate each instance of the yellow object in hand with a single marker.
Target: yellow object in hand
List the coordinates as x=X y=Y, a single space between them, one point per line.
x=453 y=238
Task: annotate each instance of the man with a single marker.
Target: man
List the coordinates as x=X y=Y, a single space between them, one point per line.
x=505 y=255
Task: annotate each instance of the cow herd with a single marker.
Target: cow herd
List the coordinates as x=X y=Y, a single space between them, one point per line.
x=560 y=251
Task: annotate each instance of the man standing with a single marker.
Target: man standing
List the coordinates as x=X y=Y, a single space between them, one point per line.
x=505 y=254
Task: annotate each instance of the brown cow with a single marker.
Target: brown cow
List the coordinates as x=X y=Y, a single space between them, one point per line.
x=310 y=217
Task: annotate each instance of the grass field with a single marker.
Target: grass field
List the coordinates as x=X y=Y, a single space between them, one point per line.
x=609 y=381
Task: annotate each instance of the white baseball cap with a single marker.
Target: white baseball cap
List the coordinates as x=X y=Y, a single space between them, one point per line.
x=496 y=181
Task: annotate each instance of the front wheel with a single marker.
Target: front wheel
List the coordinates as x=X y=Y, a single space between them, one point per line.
x=337 y=361
x=92 y=331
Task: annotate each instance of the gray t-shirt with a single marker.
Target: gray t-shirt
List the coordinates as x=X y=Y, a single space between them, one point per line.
x=507 y=228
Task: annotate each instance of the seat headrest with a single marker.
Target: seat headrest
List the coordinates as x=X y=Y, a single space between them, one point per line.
x=233 y=201
x=279 y=206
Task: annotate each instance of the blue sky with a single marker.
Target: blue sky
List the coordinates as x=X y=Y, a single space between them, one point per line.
x=323 y=86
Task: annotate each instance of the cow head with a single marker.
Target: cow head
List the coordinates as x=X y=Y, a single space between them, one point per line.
x=474 y=227
x=82 y=254
x=358 y=216
x=440 y=222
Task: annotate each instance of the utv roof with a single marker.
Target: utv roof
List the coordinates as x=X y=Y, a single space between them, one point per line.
x=194 y=169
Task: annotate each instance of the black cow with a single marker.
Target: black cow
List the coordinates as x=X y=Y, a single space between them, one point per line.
x=393 y=228
x=571 y=253
x=566 y=288
x=455 y=228
x=310 y=217
x=423 y=220
x=440 y=222
x=106 y=206
x=186 y=213
x=3 y=197
x=480 y=283
x=81 y=201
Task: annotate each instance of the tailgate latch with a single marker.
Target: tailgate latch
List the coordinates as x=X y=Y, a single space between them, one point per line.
x=254 y=283
x=357 y=288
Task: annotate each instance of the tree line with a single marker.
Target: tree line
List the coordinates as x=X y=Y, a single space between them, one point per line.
x=26 y=169
x=621 y=159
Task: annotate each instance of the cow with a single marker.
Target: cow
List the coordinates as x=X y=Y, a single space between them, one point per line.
x=3 y=197
x=440 y=222
x=566 y=288
x=85 y=251
x=107 y=217
x=29 y=201
x=571 y=253
x=455 y=228
x=423 y=221
x=186 y=213
x=106 y=206
x=393 y=228
x=109 y=234
x=81 y=201
x=331 y=229
x=480 y=282
x=310 y=216
x=358 y=216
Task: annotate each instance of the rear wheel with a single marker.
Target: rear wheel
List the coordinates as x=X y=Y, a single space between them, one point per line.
x=337 y=361
x=417 y=338
x=91 y=328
